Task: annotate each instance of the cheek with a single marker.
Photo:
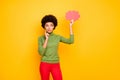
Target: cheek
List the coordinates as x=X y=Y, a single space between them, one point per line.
x=52 y=27
x=46 y=27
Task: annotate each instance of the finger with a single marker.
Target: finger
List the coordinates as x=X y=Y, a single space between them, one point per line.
x=46 y=32
x=72 y=21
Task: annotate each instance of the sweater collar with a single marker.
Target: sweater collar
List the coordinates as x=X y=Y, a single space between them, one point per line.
x=51 y=34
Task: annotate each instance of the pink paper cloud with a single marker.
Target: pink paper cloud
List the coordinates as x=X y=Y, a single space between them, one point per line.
x=72 y=15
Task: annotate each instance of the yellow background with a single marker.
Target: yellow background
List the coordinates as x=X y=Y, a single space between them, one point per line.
x=95 y=54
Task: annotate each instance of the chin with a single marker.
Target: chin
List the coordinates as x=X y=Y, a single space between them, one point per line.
x=49 y=32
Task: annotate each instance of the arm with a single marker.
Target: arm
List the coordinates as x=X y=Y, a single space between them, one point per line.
x=41 y=48
x=70 y=40
x=71 y=23
x=46 y=39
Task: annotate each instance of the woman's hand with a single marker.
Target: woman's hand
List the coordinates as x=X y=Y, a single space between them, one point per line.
x=71 y=22
x=46 y=40
x=46 y=35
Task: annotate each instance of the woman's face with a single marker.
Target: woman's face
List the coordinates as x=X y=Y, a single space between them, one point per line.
x=49 y=26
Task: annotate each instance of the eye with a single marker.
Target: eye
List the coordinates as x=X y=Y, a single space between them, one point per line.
x=46 y=25
x=51 y=25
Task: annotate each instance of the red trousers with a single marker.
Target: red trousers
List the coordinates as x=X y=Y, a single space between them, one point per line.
x=53 y=68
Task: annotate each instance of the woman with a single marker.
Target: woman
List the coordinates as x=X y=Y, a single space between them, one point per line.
x=48 y=48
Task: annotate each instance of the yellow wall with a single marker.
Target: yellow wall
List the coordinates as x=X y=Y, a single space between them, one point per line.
x=95 y=55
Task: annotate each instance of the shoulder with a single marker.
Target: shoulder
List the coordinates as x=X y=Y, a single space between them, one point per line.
x=40 y=37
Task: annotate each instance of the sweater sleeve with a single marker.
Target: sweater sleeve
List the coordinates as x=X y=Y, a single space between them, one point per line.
x=41 y=49
x=69 y=40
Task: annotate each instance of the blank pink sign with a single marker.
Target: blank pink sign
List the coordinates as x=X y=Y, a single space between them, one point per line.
x=72 y=15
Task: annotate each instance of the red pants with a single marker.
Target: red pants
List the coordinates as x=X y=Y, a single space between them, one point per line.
x=53 y=68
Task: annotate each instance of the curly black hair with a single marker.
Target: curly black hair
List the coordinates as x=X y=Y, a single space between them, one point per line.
x=49 y=18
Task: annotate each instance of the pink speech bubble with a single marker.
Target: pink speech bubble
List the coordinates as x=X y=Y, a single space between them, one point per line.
x=72 y=15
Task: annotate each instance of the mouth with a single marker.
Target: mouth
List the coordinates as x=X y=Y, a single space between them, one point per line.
x=49 y=32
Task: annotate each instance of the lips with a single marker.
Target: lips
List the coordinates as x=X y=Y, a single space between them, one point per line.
x=49 y=30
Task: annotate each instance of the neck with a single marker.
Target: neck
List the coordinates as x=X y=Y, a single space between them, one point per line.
x=50 y=33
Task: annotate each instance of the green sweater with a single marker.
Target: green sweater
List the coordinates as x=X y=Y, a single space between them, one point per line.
x=50 y=53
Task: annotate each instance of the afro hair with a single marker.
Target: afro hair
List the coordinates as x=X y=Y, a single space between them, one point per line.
x=49 y=18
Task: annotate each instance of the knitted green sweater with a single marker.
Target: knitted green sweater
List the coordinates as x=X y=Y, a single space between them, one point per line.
x=50 y=53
